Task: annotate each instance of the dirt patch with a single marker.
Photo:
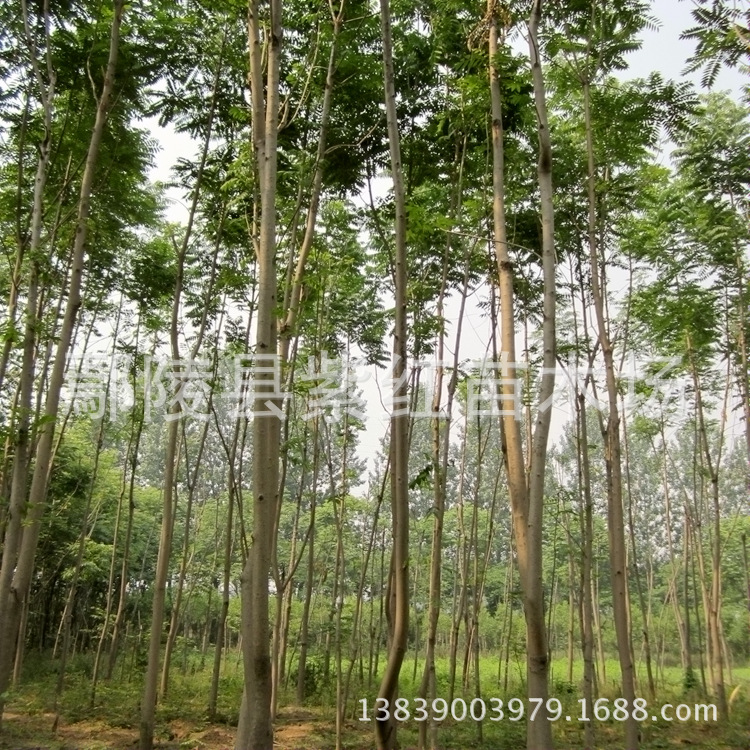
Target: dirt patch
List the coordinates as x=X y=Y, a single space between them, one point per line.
x=34 y=732
x=301 y=729
x=294 y=735
x=296 y=730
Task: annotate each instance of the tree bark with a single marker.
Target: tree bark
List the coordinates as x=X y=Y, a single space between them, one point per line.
x=713 y=598
x=527 y=495
x=612 y=452
x=304 y=625
x=636 y=571
x=385 y=731
x=440 y=451
x=255 y=730
x=587 y=604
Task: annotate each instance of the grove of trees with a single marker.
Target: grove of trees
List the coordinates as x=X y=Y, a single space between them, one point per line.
x=201 y=515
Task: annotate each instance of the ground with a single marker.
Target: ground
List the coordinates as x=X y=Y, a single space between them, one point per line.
x=34 y=732
x=110 y=721
x=302 y=729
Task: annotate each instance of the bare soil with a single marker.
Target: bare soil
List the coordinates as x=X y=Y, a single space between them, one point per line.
x=298 y=730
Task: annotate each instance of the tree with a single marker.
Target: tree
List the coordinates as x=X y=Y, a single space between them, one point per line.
x=255 y=730
x=24 y=565
x=385 y=731
x=526 y=490
x=722 y=36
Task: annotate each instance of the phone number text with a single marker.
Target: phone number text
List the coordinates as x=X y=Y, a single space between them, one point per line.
x=515 y=709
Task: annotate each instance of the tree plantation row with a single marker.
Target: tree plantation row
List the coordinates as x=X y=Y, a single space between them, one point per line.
x=469 y=217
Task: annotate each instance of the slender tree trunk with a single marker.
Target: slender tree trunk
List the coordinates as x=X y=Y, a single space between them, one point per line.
x=712 y=599
x=21 y=573
x=507 y=632
x=636 y=572
x=339 y=510
x=148 y=701
x=612 y=451
x=293 y=292
x=328 y=629
x=385 y=731
x=185 y=559
x=130 y=460
x=71 y=598
x=689 y=678
x=13 y=522
x=587 y=529
x=744 y=370
x=222 y=623
x=440 y=450
x=571 y=632
x=255 y=730
x=191 y=483
x=673 y=590
x=305 y=624
x=461 y=573
x=378 y=633
x=14 y=531
x=415 y=604
x=21 y=238
x=293 y=296
x=694 y=544
x=284 y=596
x=125 y=565
x=234 y=499
x=526 y=489
x=472 y=555
x=355 y=647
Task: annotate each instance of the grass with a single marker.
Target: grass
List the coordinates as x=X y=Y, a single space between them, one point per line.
x=182 y=722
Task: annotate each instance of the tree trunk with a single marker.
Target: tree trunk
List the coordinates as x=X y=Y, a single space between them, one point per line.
x=185 y=558
x=148 y=701
x=20 y=574
x=712 y=599
x=130 y=460
x=461 y=573
x=285 y=593
x=222 y=623
x=440 y=449
x=681 y=622
x=368 y=565
x=636 y=571
x=305 y=624
x=13 y=523
x=385 y=731
x=124 y=568
x=255 y=730
x=68 y=611
x=587 y=532
x=526 y=491
x=612 y=453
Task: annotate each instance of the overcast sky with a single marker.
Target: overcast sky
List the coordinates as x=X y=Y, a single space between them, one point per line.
x=663 y=50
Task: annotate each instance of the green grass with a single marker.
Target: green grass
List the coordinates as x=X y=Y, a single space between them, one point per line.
x=117 y=706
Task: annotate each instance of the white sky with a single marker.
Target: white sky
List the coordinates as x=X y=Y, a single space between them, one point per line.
x=662 y=51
